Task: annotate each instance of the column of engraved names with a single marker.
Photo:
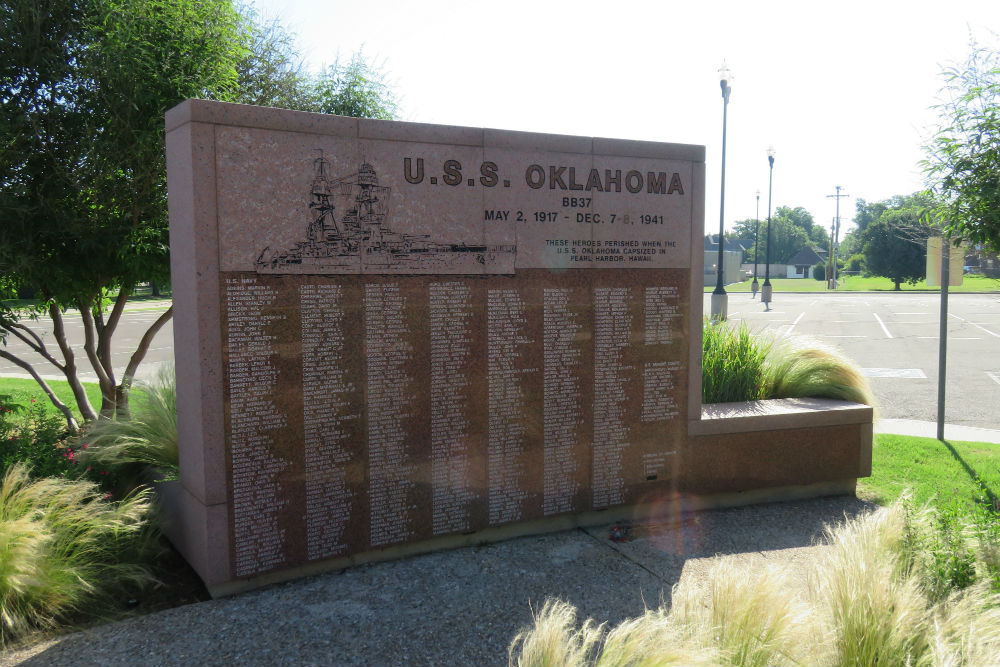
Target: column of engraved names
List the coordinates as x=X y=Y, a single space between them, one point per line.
x=259 y=539
x=561 y=404
x=612 y=330
x=451 y=348
x=506 y=345
x=326 y=391
x=662 y=314
x=389 y=390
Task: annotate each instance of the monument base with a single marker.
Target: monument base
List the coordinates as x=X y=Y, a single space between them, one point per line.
x=736 y=454
x=674 y=508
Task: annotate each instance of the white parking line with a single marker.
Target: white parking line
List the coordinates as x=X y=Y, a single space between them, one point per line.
x=884 y=328
x=993 y=375
x=907 y=373
x=949 y=338
x=789 y=332
x=995 y=335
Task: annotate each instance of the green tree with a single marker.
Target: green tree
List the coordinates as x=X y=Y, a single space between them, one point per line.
x=357 y=89
x=963 y=160
x=789 y=234
x=895 y=243
x=84 y=85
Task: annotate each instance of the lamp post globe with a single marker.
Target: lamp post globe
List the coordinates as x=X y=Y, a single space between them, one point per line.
x=765 y=293
x=719 y=296
x=754 y=286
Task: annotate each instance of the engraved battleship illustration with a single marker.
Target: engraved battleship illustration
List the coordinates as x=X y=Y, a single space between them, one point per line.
x=357 y=239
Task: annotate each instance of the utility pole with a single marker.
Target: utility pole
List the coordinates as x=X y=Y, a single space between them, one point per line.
x=836 y=238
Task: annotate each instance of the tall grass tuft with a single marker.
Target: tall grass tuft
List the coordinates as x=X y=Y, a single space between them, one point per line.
x=732 y=364
x=868 y=604
x=746 y=616
x=794 y=370
x=64 y=549
x=875 y=609
x=554 y=640
x=144 y=447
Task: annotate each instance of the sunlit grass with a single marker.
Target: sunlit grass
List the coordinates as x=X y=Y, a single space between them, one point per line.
x=740 y=366
x=64 y=549
x=865 y=604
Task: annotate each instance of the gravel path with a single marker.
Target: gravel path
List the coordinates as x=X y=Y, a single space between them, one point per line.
x=460 y=607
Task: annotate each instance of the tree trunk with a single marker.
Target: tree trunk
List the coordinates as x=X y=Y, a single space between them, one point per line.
x=69 y=369
x=122 y=391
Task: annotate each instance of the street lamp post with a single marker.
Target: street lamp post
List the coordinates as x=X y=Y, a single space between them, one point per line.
x=719 y=296
x=765 y=293
x=754 y=286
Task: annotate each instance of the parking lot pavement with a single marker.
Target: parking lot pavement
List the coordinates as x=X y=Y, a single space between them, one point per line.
x=895 y=339
x=135 y=321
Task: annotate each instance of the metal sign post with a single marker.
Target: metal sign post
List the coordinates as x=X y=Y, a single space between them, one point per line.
x=943 y=337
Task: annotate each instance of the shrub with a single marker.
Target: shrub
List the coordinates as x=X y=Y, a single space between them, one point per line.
x=143 y=448
x=819 y=272
x=856 y=263
x=732 y=364
x=64 y=549
x=36 y=438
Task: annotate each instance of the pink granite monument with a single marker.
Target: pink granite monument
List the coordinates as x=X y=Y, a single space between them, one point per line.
x=392 y=337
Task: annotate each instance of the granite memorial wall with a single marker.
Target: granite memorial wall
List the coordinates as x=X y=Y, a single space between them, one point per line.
x=391 y=332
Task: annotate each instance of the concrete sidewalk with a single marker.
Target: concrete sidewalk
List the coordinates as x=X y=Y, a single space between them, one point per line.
x=926 y=429
x=457 y=607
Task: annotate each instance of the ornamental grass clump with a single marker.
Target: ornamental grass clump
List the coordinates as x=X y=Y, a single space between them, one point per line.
x=796 y=369
x=144 y=447
x=64 y=549
x=867 y=602
x=740 y=366
x=732 y=364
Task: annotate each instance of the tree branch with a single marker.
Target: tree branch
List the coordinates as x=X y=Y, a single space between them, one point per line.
x=71 y=423
x=143 y=347
x=35 y=343
x=69 y=370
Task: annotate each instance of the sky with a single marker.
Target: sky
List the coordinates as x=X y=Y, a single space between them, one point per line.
x=843 y=91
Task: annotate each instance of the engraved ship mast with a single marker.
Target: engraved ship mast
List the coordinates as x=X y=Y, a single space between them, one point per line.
x=358 y=241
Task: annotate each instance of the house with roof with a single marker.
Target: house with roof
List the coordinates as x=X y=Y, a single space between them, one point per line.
x=801 y=263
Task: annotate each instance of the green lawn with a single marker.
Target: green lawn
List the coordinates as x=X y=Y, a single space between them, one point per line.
x=23 y=391
x=931 y=468
x=862 y=284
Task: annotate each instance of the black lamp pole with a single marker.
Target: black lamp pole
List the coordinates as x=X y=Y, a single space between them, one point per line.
x=719 y=298
x=756 y=248
x=765 y=293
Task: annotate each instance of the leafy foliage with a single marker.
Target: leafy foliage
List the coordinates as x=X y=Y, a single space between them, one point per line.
x=357 y=89
x=792 y=229
x=894 y=249
x=963 y=160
